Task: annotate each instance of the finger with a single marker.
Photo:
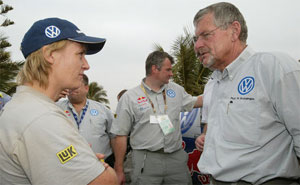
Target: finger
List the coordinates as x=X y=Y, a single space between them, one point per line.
x=100 y=156
x=105 y=164
x=198 y=146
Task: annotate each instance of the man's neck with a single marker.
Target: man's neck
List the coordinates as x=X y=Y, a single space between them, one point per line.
x=234 y=54
x=79 y=106
x=155 y=85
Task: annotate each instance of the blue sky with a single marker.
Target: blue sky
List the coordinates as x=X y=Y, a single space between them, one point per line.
x=132 y=27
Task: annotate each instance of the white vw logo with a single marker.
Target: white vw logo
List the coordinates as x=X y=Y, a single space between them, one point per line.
x=52 y=32
x=94 y=112
x=171 y=93
x=246 y=85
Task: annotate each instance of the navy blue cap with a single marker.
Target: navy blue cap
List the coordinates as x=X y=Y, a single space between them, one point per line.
x=47 y=31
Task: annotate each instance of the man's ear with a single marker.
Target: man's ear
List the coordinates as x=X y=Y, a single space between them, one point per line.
x=86 y=88
x=236 y=30
x=48 y=55
x=154 y=68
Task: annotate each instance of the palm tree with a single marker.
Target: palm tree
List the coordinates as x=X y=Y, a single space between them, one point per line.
x=97 y=93
x=8 y=69
x=187 y=70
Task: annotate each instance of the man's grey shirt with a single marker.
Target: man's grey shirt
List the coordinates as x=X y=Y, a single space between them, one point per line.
x=95 y=125
x=133 y=115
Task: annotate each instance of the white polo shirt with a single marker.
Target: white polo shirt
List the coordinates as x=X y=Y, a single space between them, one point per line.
x=206 y=99
x=133 y=115
x=40 y=145
x=254 y=122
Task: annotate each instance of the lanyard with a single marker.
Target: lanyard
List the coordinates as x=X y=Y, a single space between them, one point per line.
x=82 y=115
x=152 y=105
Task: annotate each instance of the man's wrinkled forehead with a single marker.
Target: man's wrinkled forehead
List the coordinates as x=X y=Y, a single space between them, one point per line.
x=206 y=22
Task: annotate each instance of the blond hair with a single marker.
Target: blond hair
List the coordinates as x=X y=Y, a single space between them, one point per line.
x=37 y=68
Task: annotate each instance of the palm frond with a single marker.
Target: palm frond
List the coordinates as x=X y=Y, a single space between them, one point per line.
x=97 y=93
x=187 y=70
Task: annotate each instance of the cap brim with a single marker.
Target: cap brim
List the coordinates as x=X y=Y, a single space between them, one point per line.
x=94 y=44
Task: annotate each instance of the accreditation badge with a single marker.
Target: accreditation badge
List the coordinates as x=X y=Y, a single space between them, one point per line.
x=153 y=119
x=165 y=124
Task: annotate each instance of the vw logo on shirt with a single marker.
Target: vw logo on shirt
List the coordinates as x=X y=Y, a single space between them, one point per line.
x=246 y=85
x=171 y=93
x=52 y=32
x=94 y=112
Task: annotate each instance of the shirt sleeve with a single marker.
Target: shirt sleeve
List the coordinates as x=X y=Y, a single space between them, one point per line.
x=206 y=100
x=4 y=98
x=110 y=118
x=204 y=114
x=188 y=101
x=287 y=104
x=122 y=123
x=52 y=152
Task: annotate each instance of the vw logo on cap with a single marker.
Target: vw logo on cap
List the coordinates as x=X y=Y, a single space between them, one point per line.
x=52 y=32
x=246 y=85
x=171 y=93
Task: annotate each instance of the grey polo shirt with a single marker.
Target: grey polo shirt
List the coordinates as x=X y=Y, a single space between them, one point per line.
x=40 y=145
x=133 y=115
x=254 y=122
x=4 y=98
x=94 y=126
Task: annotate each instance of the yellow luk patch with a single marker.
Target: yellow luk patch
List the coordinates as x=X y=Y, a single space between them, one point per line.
x=67 y=154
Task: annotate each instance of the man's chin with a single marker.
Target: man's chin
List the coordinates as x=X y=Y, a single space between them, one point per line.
x=166 y=82
x=211 y=68
x=208 y=64
x=74 y=86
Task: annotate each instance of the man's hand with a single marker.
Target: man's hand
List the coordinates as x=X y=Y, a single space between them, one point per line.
x=119 y=147
x=63 y=94
x=199 y=142
x=121 y=176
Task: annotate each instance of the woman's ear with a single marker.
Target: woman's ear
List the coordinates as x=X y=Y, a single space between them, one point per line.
x=48 y=55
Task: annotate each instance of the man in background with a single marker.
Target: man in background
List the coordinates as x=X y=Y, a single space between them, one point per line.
x=150 y=113
x=92 y=119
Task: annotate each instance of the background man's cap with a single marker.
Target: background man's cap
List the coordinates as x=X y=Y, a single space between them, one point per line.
x=47 y=31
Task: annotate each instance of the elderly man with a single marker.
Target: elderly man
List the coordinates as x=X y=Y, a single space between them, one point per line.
x=38 y=143
x=253 y=134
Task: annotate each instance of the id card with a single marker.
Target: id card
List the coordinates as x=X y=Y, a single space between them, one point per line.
x=165 y=124
x=153 y=119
